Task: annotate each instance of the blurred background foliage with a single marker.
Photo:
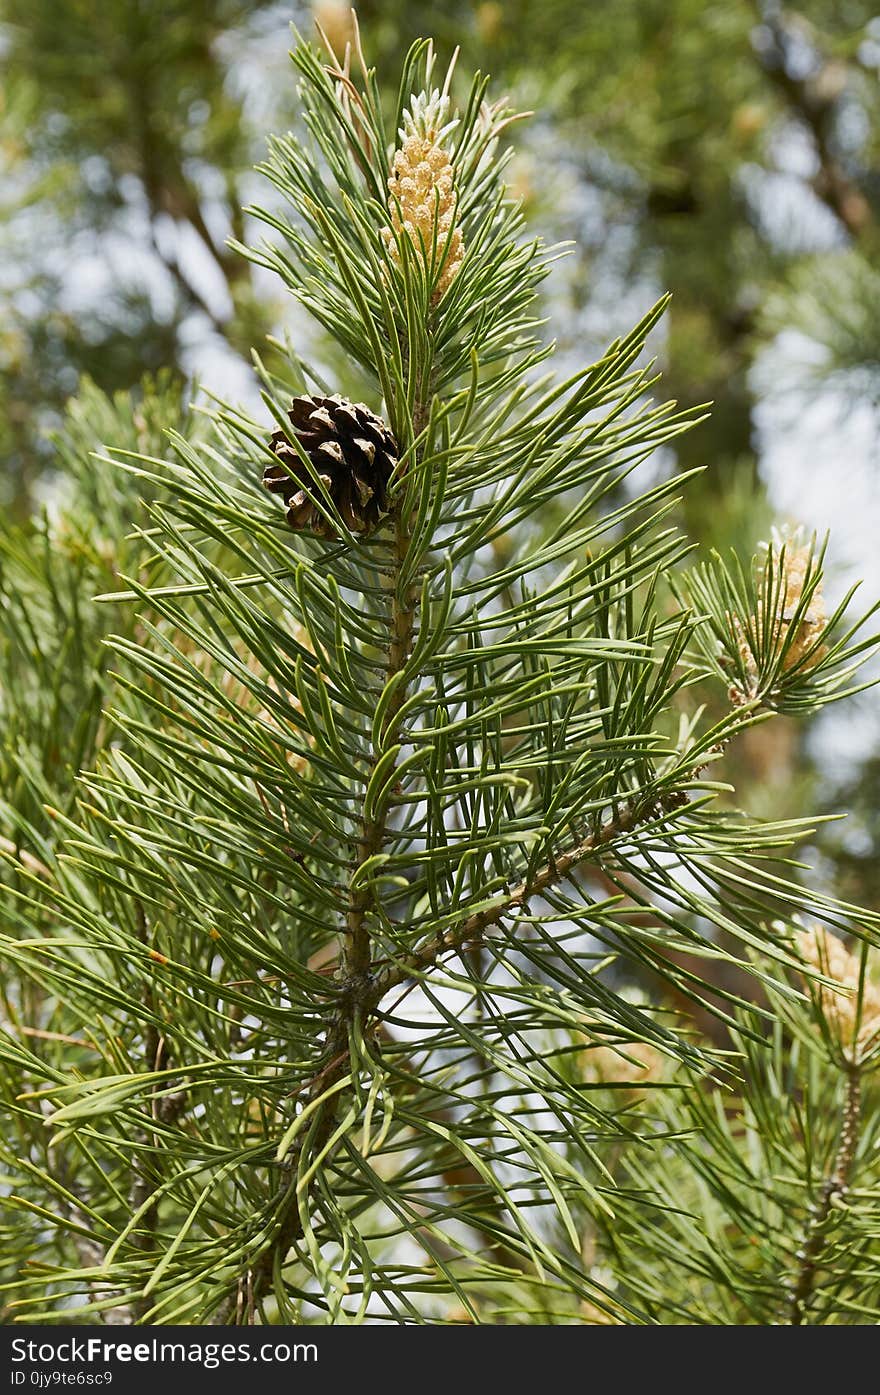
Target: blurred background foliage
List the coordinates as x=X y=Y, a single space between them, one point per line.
x=726 y=150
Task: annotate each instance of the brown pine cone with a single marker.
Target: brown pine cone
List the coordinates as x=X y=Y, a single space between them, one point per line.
x=352 y=451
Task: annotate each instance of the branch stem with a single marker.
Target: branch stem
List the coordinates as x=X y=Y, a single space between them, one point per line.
x=834 y=1186
x=357 y=953
x=356 y=1002
x=555 y=870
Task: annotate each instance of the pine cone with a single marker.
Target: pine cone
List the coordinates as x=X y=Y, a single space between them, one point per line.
x=352 y=451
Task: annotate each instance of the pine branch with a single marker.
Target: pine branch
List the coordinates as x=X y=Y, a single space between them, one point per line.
x=809 y=1254
x=361 y=989
x=356 y=958
x=357 y=953
x=554 y=871
x=361 y=998
x=817 y=112
x=193 y=297
x=153 y=186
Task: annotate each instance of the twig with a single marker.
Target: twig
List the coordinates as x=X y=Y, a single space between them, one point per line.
x=555 y=870
x=810 y=1253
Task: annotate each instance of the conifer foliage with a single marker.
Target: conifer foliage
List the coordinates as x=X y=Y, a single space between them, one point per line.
x=351 y=953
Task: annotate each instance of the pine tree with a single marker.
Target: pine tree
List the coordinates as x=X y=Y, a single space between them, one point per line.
x=357 y=974
x=126 y=137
